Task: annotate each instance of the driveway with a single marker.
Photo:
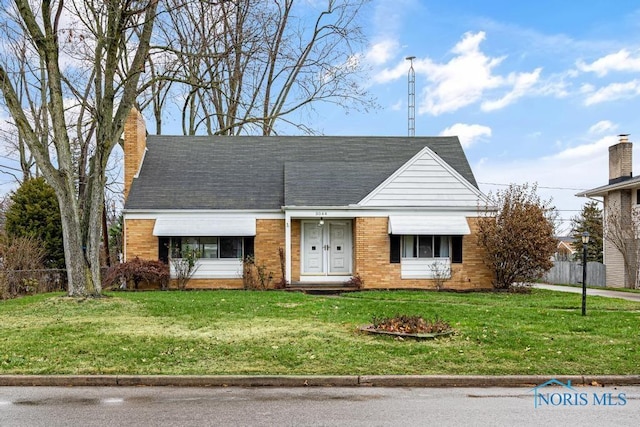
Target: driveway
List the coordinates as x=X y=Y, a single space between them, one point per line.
x=609 y=293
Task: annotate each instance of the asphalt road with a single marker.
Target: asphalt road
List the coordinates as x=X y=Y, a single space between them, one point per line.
x=315 y=406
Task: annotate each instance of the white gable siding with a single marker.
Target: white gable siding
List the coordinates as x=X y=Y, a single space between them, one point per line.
x=425 y=180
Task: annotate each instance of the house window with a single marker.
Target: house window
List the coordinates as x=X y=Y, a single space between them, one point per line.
x=425 y=246
x=211 y=247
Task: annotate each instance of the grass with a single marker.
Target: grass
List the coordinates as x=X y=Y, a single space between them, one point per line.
x=243 y=332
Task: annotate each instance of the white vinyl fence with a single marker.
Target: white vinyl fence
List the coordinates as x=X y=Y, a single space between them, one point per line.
x=570 y=273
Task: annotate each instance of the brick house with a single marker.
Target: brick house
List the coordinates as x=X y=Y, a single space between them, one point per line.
x=621 y=197
x=395 y=211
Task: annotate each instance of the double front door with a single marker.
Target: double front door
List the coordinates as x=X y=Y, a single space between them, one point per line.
x=326 y=248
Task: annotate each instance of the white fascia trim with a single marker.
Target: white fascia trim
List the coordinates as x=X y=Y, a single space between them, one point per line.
x=367 y=211
x=438 y=160
x=154 y=214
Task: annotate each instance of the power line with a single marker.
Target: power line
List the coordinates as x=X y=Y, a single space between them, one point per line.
x=538 y=186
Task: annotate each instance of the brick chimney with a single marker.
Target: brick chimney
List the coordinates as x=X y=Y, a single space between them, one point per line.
x=135 y=144
x=620 y=160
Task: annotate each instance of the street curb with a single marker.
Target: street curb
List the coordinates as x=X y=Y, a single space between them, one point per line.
x=434 y=381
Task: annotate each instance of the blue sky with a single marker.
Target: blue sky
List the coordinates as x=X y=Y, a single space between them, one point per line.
x=536 y=91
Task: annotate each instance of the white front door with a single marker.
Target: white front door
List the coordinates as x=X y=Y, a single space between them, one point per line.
x=327 y=248
x=313 y=248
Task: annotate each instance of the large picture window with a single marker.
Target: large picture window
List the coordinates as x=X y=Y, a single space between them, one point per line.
x=210 y=247
x=425 y=246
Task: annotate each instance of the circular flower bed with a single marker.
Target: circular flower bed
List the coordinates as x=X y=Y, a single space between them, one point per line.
x=409 y=326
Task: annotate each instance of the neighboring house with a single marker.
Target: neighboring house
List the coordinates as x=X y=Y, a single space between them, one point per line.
x=388 y=209
x=621 y=197
x=565 y=250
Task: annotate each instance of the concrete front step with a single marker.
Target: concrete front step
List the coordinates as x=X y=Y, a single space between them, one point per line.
x=320 y=288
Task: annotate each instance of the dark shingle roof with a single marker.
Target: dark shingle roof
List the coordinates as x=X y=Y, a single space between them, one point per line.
x=250 y=172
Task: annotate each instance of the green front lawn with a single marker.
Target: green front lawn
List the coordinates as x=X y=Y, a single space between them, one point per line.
x=244 y=332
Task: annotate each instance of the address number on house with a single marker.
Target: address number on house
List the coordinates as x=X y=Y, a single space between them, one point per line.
x=321 y=213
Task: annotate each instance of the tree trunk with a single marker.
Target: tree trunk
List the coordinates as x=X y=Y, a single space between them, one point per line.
x=79 y=277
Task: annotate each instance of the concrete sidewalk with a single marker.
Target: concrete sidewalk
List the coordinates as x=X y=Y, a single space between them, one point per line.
x=435 y=381
x=609 y=293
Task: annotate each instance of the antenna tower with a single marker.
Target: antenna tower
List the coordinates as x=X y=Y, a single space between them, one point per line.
x=412 y=97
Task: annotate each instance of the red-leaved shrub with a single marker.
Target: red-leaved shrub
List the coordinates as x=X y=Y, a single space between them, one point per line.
x=137 y=271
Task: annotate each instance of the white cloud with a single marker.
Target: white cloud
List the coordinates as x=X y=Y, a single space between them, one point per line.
x=460 y=82
x=381 y=52
x=613 y=92
x=534 y=135
x=558 y=179
x=468 y=77
x=559 y=176
x=583 y=151
x=387 y=75
x=522 y=84
x=465 y=79
x=587 y=88
x=602 y=126
x=387 y=24
x=619 y=61
x=468 y=134
x=397 y=106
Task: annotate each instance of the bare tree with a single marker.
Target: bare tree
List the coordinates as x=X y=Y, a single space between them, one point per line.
x=621 y=231
x=90 y=54
x=20 y=58
x=243 y=66
x=74 y=69
x=518 y=238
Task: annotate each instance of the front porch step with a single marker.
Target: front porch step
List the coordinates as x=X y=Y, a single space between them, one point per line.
x=320 y=288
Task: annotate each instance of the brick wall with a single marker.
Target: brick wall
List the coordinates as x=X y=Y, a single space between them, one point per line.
x=139 y=239
x=620 y=160
x=214 y=284
x=200 y=284
x=269 y=238
x=141 y=242
x=296 y=227
x=472 y=273
x=370 y=255
x=135 y=142
x=372 y=252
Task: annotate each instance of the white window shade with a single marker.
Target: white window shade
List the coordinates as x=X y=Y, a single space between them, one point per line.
x=205 y=227
x=421 y=225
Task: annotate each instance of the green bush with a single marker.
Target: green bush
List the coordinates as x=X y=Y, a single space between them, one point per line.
x=34 y=212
